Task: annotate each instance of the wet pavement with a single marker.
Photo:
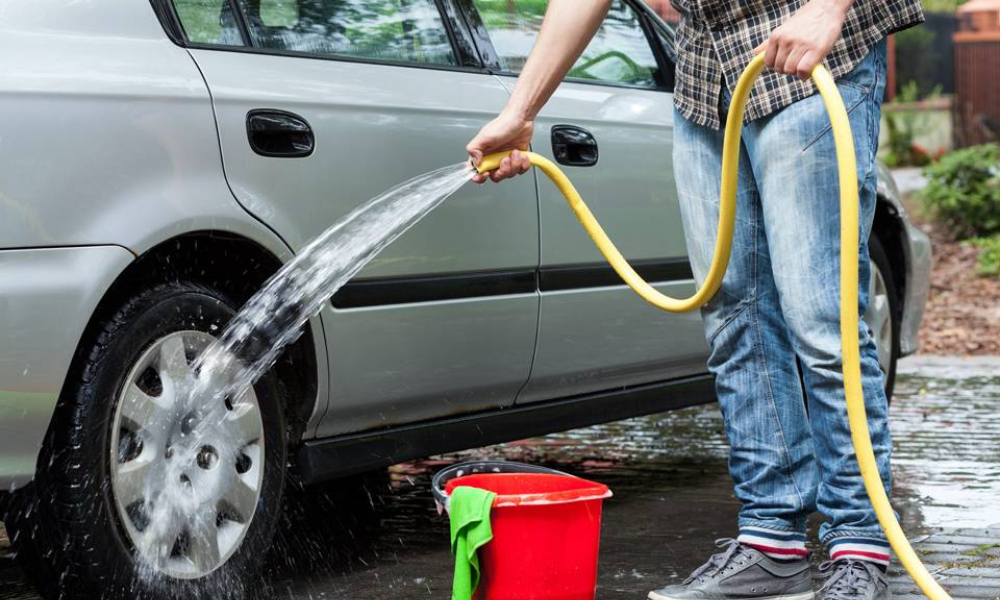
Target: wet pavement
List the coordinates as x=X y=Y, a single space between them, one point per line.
x=381 y=537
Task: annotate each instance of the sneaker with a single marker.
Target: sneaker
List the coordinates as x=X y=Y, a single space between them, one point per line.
x=848 y=579
x=740 y=572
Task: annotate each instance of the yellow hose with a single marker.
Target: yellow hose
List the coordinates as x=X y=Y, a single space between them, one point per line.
x=849 y=244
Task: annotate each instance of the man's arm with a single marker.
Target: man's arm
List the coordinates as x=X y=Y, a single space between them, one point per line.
x=804 y=40
x=568 y=27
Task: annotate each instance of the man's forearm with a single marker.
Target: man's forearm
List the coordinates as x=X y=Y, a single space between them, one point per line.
x=568 y=27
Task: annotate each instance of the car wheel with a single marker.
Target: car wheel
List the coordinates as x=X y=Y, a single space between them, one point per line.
x=883 y=313
x=141 y=495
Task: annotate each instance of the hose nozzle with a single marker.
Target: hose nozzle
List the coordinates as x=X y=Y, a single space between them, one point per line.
x=490 y=162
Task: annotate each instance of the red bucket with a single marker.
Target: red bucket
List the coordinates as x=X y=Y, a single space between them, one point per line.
x=546 y=534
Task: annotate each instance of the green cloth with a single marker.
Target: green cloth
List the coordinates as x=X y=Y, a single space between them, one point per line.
x=469 y=511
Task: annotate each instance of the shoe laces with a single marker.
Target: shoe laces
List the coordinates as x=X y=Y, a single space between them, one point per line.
x=720 y=562
x=846 y=579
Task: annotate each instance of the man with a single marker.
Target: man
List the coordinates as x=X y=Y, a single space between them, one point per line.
x=778 y=309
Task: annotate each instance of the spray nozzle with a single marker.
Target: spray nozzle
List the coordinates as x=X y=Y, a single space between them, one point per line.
x=490 y=162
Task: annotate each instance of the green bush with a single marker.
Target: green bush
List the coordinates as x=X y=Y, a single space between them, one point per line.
x=989 y=258
x=963 y=191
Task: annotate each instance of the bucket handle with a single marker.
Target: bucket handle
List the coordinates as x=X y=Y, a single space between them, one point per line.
x=443 y=476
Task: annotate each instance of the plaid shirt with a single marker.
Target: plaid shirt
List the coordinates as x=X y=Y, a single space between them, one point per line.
x=716 y=38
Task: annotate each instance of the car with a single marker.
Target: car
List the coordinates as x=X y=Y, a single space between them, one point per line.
x=163 y=158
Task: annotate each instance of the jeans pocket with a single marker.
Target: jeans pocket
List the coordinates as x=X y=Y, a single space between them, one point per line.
x=853 y=94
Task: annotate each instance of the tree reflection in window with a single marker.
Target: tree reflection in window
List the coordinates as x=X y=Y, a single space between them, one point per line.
x=619 y=53
x=209 y=22
x=390 y=30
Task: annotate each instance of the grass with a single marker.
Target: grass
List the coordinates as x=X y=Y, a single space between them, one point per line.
x=981 y=550
x=989 y=255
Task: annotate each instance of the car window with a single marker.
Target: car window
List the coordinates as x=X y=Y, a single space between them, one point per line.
x=391 y=30
x=620 y=52
x=209 y=22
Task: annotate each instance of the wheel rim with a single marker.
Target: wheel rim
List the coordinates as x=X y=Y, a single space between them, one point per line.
x=186 y=477
x=879 y=318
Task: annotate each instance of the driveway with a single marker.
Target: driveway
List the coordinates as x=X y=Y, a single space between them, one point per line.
x=381 y=538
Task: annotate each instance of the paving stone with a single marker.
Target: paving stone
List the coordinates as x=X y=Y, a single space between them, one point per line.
x=973 y=540
x=993 y=572
x=965 y=591
x=946 y=557
x=990 y=582
x=942 y=550
x=940 y=545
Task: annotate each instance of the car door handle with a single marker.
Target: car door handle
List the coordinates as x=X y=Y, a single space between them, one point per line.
x=574 y=146
x=280 y=134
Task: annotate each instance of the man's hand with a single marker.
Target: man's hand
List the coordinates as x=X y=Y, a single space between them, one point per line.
x=568 y=27
x=506 y=132
x=804 y=40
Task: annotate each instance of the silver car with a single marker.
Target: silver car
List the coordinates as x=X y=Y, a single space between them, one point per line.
x=162 y=158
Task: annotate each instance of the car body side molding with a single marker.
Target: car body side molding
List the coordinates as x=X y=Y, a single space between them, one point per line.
x=362 y=293
x=323 y=460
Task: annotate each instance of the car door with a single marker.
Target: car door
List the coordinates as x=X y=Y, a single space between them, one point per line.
x=610 y=125
x=356 y=96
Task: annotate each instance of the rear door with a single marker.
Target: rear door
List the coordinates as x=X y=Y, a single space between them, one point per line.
x=610 y=125
x=443 y=321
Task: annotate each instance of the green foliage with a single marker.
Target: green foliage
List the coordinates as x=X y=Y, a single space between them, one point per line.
x=942 y=6
x=989 y=257
x=963 y=191
x=501 y=14
x=618 y=53
x=200 y=19
x=279 y=13
x=902 y=127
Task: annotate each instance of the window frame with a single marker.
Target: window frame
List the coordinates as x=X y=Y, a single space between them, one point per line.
x=463 y=47
x=491 y=59
x=665 y=56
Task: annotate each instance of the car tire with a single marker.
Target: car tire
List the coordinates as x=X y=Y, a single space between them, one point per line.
x=72 y=535
x=883 y=315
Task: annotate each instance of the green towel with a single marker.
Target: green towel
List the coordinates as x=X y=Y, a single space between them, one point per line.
x=469 y=511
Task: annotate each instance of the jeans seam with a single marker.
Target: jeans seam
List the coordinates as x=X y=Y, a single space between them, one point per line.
x=742 y=308
x=872 y=101
x=762 y=356
x=749 y=302
x=785 y=458
x=829 y=127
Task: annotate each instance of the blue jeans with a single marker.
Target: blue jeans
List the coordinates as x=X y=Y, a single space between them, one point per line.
x=778 y=308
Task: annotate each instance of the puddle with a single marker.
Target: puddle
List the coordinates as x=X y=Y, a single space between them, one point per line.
x=946 y=426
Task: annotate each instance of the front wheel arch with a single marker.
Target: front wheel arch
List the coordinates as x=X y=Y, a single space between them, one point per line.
x=881 y=267
x=236 y=266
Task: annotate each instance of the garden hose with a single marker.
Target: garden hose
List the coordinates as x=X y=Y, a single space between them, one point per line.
x=849 y=244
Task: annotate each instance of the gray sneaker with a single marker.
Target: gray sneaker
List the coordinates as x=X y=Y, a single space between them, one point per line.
x=853 y=580
x=740 y=572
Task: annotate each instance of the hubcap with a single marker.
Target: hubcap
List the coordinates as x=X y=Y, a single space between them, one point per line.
x=879 y=318
x=186 y=476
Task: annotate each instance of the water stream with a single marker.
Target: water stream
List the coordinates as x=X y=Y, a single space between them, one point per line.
x=274 y=316
x=212 y=396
